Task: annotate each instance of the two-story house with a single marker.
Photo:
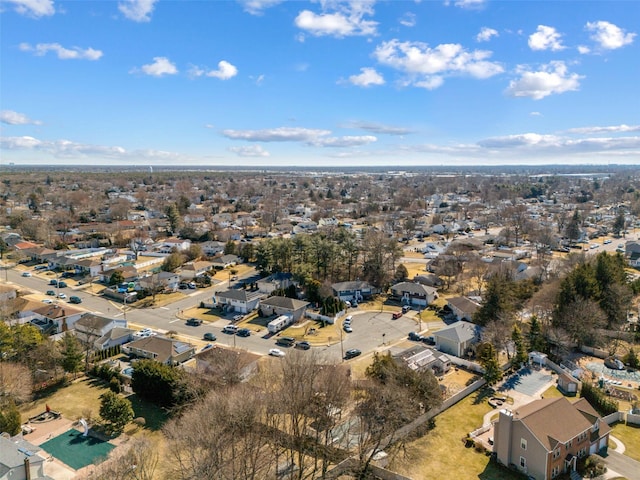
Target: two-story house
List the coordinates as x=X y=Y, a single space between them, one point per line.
x=546 y=437
x=242 y=301
x=161 y=349
x=102 y=332
x=357 y=290
x=413 y=293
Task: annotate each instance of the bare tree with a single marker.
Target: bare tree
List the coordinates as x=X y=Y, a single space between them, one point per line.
x=16 y=382
x=137 y=460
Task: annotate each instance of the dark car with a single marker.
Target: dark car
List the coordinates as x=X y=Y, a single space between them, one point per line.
x=62 y=284
x=285 y=341
x=416 y=337
x=74 y=299
x=53 y=281
x=209 y=336
x=194 y=322
x=243 y=332
x=354 y=352
x=304 y=345
x=51 y=292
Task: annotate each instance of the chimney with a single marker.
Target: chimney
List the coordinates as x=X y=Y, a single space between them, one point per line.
x=27 y=469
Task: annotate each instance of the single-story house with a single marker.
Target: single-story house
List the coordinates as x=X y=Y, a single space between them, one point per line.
x=412 y=293
x=242 y=301
x=547 y=437
x=161 y=349
x=277 y=305
x=463 y=308
x=195 y=269
x=457 y=338
x=166 y=280
x=225 y=261
x=421 y=358
x=357 y=290
x=275 y=281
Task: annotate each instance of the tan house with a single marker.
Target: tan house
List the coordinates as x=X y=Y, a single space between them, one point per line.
x=161 y=349
x=413 y=293
x=277 y=305
x=195 y=269
x=546 y=437
x=457 y=338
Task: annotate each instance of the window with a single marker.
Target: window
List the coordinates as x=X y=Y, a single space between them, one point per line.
x=582 y=452
x=523 y=462
x=556 y=453
x=523 y=444
x=568 y=444
x=555 y=471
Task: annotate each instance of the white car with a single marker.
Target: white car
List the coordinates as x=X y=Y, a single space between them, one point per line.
x=62 y=295
x=26 y=274
x=47 y=300
x=276 y=352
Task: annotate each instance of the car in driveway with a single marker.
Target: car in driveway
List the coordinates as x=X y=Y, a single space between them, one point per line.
x=26 y=274
x=237 y=318
x=47 y=300
x=276 y=352
x=243 y=332
x=209 y=336
x=53 y=282
x=416 y=337
x=303 y=345
x=352 y=353
x=286 y=341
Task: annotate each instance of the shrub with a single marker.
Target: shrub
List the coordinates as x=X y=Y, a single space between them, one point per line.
x=114 y=385
x=598 y=399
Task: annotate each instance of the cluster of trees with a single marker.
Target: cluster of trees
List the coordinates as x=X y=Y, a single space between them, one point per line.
x=300 y=411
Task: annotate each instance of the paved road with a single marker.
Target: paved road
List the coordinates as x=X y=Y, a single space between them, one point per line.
x=371 y=330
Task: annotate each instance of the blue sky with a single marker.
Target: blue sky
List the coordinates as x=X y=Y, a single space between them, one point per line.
x=321 y=83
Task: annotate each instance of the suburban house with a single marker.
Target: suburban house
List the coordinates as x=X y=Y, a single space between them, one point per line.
x=166 y=280
x=161 y=349
x=7 y=293
x=167 y=245
x=357 y=290
x=457 y=338
x=275 y=281
x=412 y=293
x=103 y=332
x=195 y=269
x=241 y=301
x=212 y=248
x=463 y=308
x=546 y=437
x=56 y=318
x=283 y=306
x=429 y=280
x=420 y=358
x=225 y=261
x=21 y=460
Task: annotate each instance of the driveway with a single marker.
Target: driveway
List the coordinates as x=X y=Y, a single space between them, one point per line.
x=622 y=465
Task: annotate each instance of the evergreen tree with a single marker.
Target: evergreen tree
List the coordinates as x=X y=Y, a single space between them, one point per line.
x=573 y=228
x=116 y=411
x=619 y=223
x=536 y=339
x=498 y=300
x=72 y=354
x=10 y=420
x=521 y=356
x=489 y=360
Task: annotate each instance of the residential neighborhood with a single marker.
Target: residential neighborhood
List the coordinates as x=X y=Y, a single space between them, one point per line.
x=484 y=310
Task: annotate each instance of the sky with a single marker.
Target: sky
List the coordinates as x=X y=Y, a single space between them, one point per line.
x=320 y=83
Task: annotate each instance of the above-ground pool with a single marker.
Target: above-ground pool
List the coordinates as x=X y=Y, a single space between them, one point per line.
x=128 y=371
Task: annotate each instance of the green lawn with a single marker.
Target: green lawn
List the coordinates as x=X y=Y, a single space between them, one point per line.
x=630 y=436
x=154 y=416
x=441 y=452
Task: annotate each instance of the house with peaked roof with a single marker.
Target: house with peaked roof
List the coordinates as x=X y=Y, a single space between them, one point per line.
x=546 y=437
x=277 y=305
x=242 y=301
x=357 y=290
x=413 y=293
x=21 y=460
x=104 y=332
x=462 y=307
x=161 y=349
x=457 y=338
x=195 y=269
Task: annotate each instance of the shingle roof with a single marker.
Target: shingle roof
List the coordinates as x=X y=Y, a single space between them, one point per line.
x=284 y=302
x=459 y=332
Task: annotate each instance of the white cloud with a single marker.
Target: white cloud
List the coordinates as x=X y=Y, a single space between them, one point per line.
x=225 y=71
x=608 y=35
x=257 y=7
x=160 y=66
x=408 y=19
x=69 y=149
x=552 y=78
x=426 y=67
x=546 y=38
x=379 y=128
x=583 y=49
x=469 y=4
x=312 y=137
x=250 y=151
x=33 y=8
x=554 y=144
x=14 y=118
x=339 y=19
x=535 y=114
x=137 y=10
x=609 y=129
x=368 y=77
x=73 y=53
x=485 y=34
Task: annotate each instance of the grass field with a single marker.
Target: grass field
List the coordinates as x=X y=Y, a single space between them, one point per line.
x=630 y=436
x=441 y=452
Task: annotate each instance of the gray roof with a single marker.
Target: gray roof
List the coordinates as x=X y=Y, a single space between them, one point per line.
x=355 y=285
x=14 y=451
x=459 y=332
x=414 y=288
x=284 y=302
x=464 y=304
x=92 y=321
x=240 y=295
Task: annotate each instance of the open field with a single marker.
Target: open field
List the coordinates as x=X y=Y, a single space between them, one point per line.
x=441 y=452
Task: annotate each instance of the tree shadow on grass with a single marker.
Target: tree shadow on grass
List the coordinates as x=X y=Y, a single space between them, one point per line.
x=493 y=471
x=483 y=394
x=153 y=415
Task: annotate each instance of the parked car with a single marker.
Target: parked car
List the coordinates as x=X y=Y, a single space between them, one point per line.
x=232 y=329
x=352 y=353
x=26 y=274
x=276 y=352
x=53 y=281
x=209 y=336
x=243 y=332
x=47 y=300
x=62 y=295
x=303 y=345
x=406 y=308
x=237 y=318
x=416 y=337
x=194 y=322
x=347 y=328
x=285 y=341
x=51 y=292
x=75 y=299
x=396 y=315
x=62 y=284
x=183 y=286
x=41 y=267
